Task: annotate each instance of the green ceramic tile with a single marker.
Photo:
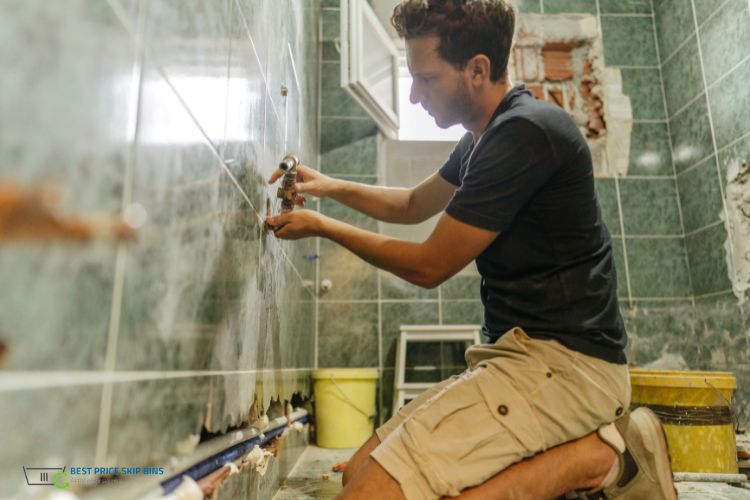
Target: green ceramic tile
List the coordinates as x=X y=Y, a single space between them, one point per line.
x=395 y=314
x=691 y=135
x=643 y=86
x=463 y=312
x=656 y=331
x=708 y=265
x=705 y=8
x=730 y=102
x=329 y=52
x=32 y=421
x=352 y=277
x=733 y=156
x=393 y=287
x=658 y=267
x=152 y=416
x=621 y=34
x=700 y=195
x=330 y=20
x=338 y=132
x=461 y=287
x=330 y=3
x=674 y=23
x=619 y=255
x=529 y=6
x=348 y=335
x=569 y=6
x=606 y=193
x=683 y=79
x=338 y=102
x=649 y=207
x=650 y=153
x=725 y=39
x=339 y=211
x=625 y=6
x=357 y=157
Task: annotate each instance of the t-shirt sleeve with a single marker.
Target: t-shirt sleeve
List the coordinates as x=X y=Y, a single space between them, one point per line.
x=511 y=165
x=450 y=171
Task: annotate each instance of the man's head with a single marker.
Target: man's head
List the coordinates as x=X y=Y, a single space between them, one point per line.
x=456 y=50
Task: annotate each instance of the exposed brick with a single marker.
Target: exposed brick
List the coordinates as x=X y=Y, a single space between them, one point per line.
x=558 y=65
x=537 y=91
x=555 y=96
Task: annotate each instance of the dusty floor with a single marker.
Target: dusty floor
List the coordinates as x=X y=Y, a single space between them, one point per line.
x=307 y=480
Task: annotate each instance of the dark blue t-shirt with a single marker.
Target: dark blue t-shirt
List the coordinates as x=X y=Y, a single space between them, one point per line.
x=551 y=270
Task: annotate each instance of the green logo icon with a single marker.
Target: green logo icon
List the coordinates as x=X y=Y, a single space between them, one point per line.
x=58 y=480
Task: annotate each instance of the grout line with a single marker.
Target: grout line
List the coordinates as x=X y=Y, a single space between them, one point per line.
x=541 y=6
x=671 y=151
x=649 y=120
x=34 y=380
x=655 y=236
x=635 y=66
x=709 y=295
x=730 y=249
x=686 y=106
x=677 y=49
x=625 y=14
x=713 y=14
x=704 y=228
x=257 y=57
x=113 y=329
x=736 y=141
x=316 y=343
x=624 y=245
x=729 y=72
x=647 y=177
x=693 y=166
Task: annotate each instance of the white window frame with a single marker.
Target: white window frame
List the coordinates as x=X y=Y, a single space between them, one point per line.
x=354 y=13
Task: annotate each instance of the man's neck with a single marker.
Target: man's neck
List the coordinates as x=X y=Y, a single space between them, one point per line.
x=487 y=106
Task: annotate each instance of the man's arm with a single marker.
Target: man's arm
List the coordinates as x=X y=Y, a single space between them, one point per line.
x=450 y=247
x=396 y=205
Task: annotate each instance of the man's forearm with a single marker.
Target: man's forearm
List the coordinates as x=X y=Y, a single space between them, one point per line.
x=403 y=258
x=382 y=203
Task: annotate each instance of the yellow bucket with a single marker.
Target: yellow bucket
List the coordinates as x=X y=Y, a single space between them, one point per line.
x=696 y=412
x=344 y=406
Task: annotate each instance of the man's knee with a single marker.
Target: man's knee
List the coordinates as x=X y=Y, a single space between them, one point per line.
x=359 y=458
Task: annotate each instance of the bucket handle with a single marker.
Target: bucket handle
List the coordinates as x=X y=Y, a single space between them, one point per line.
x=729 y=403
x=333 y=379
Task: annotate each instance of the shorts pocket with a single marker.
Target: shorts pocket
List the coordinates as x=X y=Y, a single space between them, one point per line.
x=511 y=409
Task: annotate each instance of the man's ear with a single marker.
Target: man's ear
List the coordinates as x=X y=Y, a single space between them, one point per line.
x=479 y=68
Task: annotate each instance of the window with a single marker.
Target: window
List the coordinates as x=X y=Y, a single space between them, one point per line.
x=415 y=123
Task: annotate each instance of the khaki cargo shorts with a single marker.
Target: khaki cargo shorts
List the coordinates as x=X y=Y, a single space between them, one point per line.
x=519 y=396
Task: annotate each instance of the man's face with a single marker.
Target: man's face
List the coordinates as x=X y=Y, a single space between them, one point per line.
x=437 y=85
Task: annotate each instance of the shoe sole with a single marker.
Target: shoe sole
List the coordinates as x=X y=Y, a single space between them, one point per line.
x=653 y=432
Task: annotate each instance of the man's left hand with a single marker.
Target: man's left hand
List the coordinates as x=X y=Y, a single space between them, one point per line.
x=296 y=224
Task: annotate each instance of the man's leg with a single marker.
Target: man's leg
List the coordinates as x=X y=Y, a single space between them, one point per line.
x=359 y=458
x=578 y=465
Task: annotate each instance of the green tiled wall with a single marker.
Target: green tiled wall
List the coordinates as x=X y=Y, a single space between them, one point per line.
x=705 y=60
x=119 y=352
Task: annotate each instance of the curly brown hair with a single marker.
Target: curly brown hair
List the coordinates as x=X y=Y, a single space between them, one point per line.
x=465 y=28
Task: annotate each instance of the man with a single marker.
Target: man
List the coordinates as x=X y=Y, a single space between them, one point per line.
x=518 y=196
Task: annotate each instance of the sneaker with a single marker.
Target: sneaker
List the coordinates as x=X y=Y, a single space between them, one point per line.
x=645 y=471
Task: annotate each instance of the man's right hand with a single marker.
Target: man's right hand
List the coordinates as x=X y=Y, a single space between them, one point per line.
x=309 y=181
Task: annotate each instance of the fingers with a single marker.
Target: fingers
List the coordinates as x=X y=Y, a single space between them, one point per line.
x=275 y=175
x=300 y=201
